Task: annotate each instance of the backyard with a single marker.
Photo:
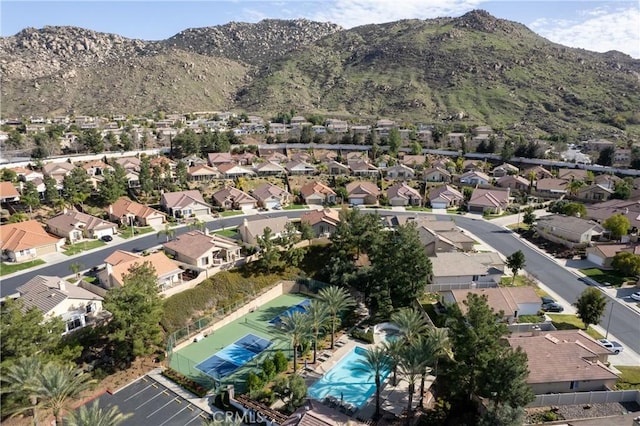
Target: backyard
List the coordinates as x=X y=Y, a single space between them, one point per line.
x=572 y=322
x=630 y=377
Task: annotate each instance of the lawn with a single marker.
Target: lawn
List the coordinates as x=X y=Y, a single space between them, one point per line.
x=83 y=246
x=602 y=277
x=520 y=281
x=419 y=209
x=516 y=226
x=229 y=233
x=10 y=268
x=126 y=232
x=572 y=322
x=231 y=213
x=296 y=207
x=629 y=379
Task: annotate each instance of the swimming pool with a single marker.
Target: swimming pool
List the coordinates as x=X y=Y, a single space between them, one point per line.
x=343 y=381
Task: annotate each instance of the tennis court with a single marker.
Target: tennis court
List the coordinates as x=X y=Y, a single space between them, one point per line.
x=227 y=355
x=300 y=307
x=234 y=356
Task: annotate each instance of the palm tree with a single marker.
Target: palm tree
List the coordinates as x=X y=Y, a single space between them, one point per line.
x=298 y=327
x=168 y=232
x=393 y=348
x=318 y=319
x=197 y=224
x=20 y=379
x=58 y=384
x=75 y=267
x=412 y=366
x=337 y=300
x=441 y=344
x=574 y=186
x=96 y=416
x=427 y=356
x=376 y=361
x=410 y=322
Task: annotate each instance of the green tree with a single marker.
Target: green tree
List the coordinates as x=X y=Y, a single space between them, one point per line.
x=136 y=308
x=574 y=209
x=15 y=139
x=113 y=186
x=376 y=362
x=25 y=333
x=337 y=300
x=502 y=415
x=144 y=177
x=168 y=232
x=412 y=365
x=306 y=231
x=182 y=177
x=516 y=262
x=574 y=186
x=93 y=415
x=30 y=197
x=507 y=383
x=618 y=225
x=590 y=306
x=318 y=319
x=76 y=267
x=394 y=348
x=410 y=322
x=58 y=384
x=627 y=263
x=270 y=256
x=110 y=141
x=529 y=217
x=395 y=141
x=92 y=141
x=18 y=217
x=298 y=327
x=291 y=390
x=51 y=192
x=8 y=175
x=622 y=190
x=280 y=361
x=606 y=156
x=475 y=341
x=18 y=383
x=76 y=186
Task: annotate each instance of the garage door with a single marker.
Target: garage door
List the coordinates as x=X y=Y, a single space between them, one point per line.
x=154 y=221
x=270 y=204
x=591 y=257
x=356 y=201
x=438 y=205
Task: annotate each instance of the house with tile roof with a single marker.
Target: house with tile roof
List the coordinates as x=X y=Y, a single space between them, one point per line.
x=202 y=250
x=127 y=212
x=202 y=173
x=511 y=301
x=445 y=197
x=399 y=171
x=564 y=361
x=97 y=168
x=76 y=226
x=362 y=192
x=323 y=221
x=57 y=170
x=475 y=178
x=129 y=163
x=300 y=167
x=317 y=193
x=271 y=196
x=513 y=182
x=628 y=208
x=27 y=175
x=55 y=297
x=250 y=230
x=594 y=192
x=504 y=169
x=360 y=167
x=467 y=268
x=436 y=174
x=25 y=241
x=402 y=194
x=232 y=170
x=119 y=263
x=231 y=198
x=8 y=193
x=569 y=231
x=493 y=201
x=335 y=168
x=185 y=204
x=602 y=254
x=269 y=168
x=552 y=186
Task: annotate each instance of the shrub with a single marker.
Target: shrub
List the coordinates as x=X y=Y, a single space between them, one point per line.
x=269 y=369
x=185 y=382
x=281 y=362
x=254 y=383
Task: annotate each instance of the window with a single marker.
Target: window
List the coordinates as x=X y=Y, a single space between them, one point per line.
x=574 y=384
x=205 y=260
x=90 y=308
x=74 y=323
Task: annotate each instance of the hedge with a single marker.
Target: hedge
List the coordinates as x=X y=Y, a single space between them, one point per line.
x=185 y=382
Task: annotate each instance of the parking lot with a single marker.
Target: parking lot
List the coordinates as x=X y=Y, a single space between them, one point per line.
x=152 y=404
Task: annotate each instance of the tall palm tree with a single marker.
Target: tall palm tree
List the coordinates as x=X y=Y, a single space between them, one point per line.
x=376 y=362
x=410 y=322
x=441 y=344
x=76 y=267
x=427 y=351
x=298 y=328
x=58 y=384
x=411 y=366
x=318 y=314
x=96 y=416
x=393 y=349
x=21 y=379
x=337 y=300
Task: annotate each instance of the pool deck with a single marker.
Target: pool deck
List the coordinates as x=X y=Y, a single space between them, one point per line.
x=393 y=399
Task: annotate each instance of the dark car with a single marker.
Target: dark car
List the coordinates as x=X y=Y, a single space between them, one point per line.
x=546 y=300
x=552 y=307
x=106 y=238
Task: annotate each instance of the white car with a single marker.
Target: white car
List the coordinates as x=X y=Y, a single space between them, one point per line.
x=635 y=296
x=614 y=347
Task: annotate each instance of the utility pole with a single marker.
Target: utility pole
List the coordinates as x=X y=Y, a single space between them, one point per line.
x=609 y=320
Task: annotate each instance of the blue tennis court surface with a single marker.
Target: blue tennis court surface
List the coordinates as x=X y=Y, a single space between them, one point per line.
x=233 y=356
x=300 y=307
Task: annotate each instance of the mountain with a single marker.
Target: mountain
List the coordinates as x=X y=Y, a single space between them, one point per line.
x=474 y=68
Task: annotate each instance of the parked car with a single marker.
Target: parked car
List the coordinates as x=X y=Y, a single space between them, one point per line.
x=546 y=300
x=552 y=307
x=635 y=296
x=614 y=347
x=106 y=238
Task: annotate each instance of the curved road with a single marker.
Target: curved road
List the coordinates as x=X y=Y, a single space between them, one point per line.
x=624 y=323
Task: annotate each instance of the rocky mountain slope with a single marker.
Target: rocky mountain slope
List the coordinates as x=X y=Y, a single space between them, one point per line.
x=475 y=68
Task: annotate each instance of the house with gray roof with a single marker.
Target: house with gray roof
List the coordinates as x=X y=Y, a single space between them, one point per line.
x=399 y=171
x=76 y=226
x=184 y=204
x=568 y=230
x=232 y=198
x=250 y=230
x=202 y=250
x=55 y=297
x=269 y=168
x=466 y=268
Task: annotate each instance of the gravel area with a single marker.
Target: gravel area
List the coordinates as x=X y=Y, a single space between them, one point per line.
x=586 y=411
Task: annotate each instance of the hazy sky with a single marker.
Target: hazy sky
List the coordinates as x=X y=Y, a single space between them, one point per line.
x=592 y=25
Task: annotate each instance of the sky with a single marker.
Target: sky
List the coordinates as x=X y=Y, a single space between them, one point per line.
x=593 y=25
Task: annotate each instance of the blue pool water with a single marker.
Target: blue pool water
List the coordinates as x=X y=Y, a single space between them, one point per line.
x=342 y=380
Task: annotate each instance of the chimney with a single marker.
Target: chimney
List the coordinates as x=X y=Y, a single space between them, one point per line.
x=535 y=330
x=62 y=286
x=110 y=208
x=65 y=211
x=206 y=231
